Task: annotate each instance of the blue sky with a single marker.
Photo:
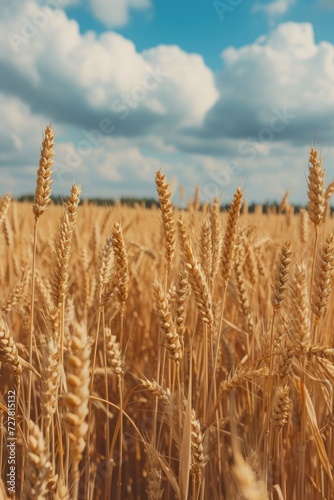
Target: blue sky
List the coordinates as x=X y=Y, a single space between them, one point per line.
x=217 y=93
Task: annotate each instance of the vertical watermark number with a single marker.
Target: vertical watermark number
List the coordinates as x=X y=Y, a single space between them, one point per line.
x=11 y=441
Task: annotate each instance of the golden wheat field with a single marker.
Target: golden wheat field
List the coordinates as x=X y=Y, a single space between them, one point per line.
x=166 y=353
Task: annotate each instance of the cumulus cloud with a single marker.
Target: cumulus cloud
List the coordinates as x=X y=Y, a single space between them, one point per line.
x=162 y=106
x=280 y=88
x=273 y=10
x=82 y=78
x=115 y=13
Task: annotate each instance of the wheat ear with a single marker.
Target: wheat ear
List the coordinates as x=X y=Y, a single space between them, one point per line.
x=299 y=324
x=44 y=182
x=199 y=457
x=282 y=407
x=200 y=286
x=37 y=466
x=121 y=263
x=230 y=235
x=316 y=192
x=323 y=277
x=114 y=354
x=243 y=301
x=167 y=214
x=156 y=389
x=217 y=240
x=14 y=296
x=8 y=349
x=49 y=382
x=182 y=298
x=4 y=208
x=76 y=400
x=206 y=250
x=281 y=276
x=172 y=339
x=304 y=227
x=284 y=203
x=106 y=273
x=60 y=276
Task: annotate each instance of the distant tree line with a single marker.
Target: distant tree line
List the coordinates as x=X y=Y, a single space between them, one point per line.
x=149 y=202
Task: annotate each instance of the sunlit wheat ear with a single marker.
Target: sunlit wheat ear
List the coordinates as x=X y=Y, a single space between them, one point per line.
x=44 y=182
x=230 y=235
x=199 y=286
x=37 y=466
x=217 y=238
x=281 y=275
x=199 y=458
x=167 y=215
x=299 y=322
x=243 y=301
x=282 y=407
x=284 y=354
x=106 y=275
x=13 y=297
x=172 y=339
x=60 y=274
x=284 y=203
x=183 y=234
x=197 y=278
x=4 y=208
x=114 y=354
x=77 y=364
x=304 y=227
x=50 y=379
x=322 y=282
x=206 y=250
x=8 y=349
x=72 y=203
x=121 y=263
x=316 y=191
x=153 y=387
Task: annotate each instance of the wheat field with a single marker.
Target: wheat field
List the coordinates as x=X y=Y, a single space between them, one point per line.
x=164 y=353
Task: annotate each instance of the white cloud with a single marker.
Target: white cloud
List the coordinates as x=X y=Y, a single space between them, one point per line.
x=273 y=10
x=187 y=96
x=115 y=13
x=85 y=77
x=284 y=73
x=167 y=108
